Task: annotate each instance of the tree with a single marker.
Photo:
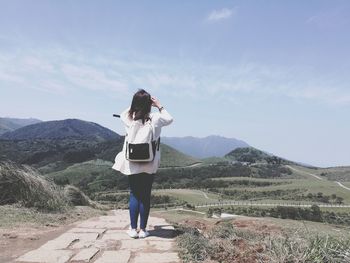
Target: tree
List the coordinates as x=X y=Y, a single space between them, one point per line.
x=316 y=214
x=339 y=200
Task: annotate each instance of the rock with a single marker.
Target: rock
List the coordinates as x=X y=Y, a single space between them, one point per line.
x=46 y=256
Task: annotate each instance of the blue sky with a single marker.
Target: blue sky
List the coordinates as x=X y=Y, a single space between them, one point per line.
x=272 y=73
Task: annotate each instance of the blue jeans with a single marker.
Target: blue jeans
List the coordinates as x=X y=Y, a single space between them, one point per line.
x=140 y=198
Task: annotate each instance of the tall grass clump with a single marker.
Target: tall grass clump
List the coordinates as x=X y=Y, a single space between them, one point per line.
x=75 y=196
x=227 y=243
x=315 y=248
x=194 y=246
x=23 y=184
x=328 y=249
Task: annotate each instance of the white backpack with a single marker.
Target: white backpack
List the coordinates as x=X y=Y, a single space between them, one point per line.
x=140 y=146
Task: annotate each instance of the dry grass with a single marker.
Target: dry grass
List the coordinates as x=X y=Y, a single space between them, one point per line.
x=227 y=243
x=16 y=216
x=23 y=184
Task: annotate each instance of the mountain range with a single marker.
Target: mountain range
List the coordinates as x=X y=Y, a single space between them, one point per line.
x=55 y=145
x=69 y=128
x=11 y=124
x=209 y=146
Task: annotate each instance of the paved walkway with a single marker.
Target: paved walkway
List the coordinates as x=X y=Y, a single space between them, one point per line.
x=104 y=240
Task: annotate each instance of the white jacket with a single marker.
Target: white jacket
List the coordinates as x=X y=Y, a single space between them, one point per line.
x=158 y=120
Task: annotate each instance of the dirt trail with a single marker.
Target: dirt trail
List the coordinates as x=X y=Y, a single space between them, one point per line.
x=187 y=166
x=316 y=176
x=300 y=171
x=341 y=185
x=103 y=239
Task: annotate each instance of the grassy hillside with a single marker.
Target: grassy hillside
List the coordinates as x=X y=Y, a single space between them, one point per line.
x=56 y=154
x=173 y=158
x=252 y=155
x=264 y=183
x=341 y=173
x=215 y=160
x=55 y=145
x=97 y=175
x=91 y=176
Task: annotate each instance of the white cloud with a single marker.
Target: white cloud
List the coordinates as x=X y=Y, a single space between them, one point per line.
x=221 y=14
x=92 y=78
x=56 y=72
x=330 y=18
x=61 y=72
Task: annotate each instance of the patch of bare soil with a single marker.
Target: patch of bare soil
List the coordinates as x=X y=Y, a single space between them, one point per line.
x=15 y=242
x=201 y=225
x=257 y=226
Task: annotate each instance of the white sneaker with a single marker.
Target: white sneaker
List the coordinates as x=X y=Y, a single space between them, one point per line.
x=143 y=234
x=132 y=233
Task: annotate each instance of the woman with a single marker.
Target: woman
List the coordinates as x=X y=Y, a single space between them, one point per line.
x=141 y=175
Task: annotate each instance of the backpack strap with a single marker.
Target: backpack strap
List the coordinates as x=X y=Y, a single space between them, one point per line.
x=158 y=143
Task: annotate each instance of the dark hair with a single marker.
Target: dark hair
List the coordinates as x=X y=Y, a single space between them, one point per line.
x=141 y=105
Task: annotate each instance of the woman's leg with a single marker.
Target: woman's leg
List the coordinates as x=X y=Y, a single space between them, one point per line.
x=134 y=200
x=145 y=199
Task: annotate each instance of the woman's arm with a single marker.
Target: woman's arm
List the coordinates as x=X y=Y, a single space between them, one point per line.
x=164 y=118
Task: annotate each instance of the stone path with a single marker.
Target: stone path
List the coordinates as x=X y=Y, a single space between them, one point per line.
x=104 y=240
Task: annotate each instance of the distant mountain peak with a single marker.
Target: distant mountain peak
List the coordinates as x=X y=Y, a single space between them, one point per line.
x=58 y=129
x=8 y=124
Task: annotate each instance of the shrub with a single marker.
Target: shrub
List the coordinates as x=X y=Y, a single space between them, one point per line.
x=75 y=196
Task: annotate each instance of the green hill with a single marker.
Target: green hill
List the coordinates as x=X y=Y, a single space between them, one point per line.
x=173 y=158
x=90 y=176
x=253 y=155
x=55 y=145
x=56 y=154
x=97 y=175
x=69 y=128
